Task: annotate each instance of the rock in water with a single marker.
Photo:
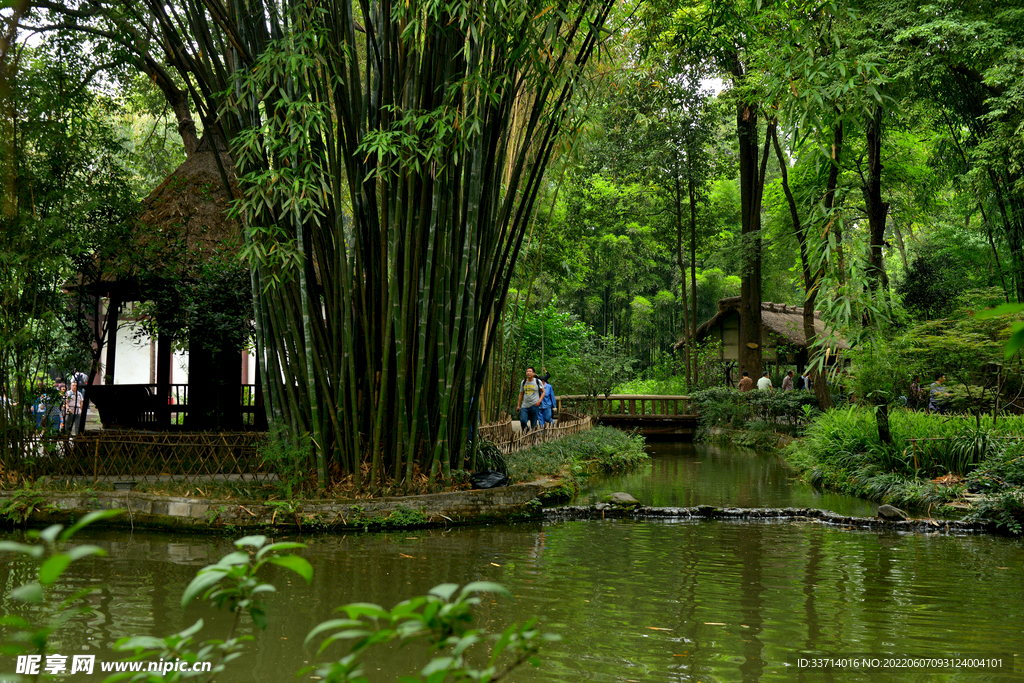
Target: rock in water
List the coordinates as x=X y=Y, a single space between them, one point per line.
x=620 y=499
x=891 y=513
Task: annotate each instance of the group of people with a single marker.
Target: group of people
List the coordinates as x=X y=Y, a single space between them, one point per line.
x=803 y=382
x=59 y=409
x=536 y=400
x=937 y=396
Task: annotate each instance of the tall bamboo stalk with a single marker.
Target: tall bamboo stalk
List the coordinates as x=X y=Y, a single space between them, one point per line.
x=390 y=157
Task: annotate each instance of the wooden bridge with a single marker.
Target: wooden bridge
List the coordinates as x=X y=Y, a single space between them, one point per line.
x=672 y=418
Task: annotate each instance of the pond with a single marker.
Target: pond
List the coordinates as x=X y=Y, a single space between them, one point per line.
x=633 y=601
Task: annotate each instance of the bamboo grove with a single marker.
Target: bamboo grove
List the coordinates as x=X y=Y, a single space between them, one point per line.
x=389 y=156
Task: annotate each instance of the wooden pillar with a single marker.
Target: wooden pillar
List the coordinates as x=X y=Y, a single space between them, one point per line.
x=113 y=310
x=259 y=405
x=164 y=354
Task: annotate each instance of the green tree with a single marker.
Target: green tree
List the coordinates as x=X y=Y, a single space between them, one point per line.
x=68 y=202
x=727 y=34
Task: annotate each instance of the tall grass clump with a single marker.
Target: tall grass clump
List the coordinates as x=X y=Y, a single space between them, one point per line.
x=924 y=445
x=603 y=449
x=842 y=450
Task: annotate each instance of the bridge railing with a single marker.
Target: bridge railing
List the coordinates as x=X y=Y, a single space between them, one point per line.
x=630 y=405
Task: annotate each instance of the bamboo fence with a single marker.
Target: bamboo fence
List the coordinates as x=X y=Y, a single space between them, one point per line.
x=132 y=457
x=143 y=457
x=508 y=440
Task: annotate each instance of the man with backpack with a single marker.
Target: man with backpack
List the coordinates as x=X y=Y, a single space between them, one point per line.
x=531 y=393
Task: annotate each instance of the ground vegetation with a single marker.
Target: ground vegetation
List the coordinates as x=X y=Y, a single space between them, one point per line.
x=599 y=450
x=931 y=461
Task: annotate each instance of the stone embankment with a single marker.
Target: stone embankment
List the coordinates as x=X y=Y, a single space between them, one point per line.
x=146 y=510
x=611 y=511
x=508 y=503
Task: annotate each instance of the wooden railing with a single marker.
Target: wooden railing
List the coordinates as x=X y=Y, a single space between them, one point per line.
x=509 y=440
x=631 y=405
x=139 y=406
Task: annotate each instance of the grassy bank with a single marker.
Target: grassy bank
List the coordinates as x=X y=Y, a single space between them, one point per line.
x=602 y=449
x=933 y=461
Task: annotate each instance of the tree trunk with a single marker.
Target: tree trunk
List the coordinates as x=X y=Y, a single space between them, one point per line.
x=693 y=269
x=830 y=200
x=751 y=188
x=682 y=274
x=882 y=420
x=877 y=209
x=899 y=243
x=1014 y=230
x=811 y=279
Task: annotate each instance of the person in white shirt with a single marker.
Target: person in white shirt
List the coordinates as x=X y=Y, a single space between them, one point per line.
x=531 y=393
x=764 y=384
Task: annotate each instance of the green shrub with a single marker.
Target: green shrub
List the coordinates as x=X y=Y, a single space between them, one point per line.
x=729 y=408
x=670 y=386
x=489 y=457
x=722 y=407
x=602 y=448
x=291 y=459
x=924 y=444
x=1006 y=509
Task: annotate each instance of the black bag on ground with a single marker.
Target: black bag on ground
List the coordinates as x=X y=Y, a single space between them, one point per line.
x=488 y=479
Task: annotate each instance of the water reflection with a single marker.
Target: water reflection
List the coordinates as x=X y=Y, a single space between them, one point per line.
x=634 y=601
x=687 y=474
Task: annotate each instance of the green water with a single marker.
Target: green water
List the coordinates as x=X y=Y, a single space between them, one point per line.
x=686 y=474
x=633 y=601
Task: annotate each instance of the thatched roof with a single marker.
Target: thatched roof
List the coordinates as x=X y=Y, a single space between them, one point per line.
x=785 y=322
x=185 y=219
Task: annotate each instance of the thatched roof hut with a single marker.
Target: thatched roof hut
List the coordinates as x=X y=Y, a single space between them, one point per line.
x=183 y=224
x=185 y=220
x=782 y=332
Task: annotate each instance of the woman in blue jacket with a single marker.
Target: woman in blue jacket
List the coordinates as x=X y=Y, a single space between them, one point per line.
x=546 y=405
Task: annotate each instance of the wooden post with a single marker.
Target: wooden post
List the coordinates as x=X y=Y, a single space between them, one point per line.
x=113 y=310
x=164 y=355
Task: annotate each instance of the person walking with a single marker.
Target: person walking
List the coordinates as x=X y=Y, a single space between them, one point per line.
x=547 y=404
x=805 y=381
x=787 y=382
x=50 y=405
x=73 y=400
x=746 y=383
x=531 y=393
x=765 y=383
x=39 y=406
x=938 y=395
